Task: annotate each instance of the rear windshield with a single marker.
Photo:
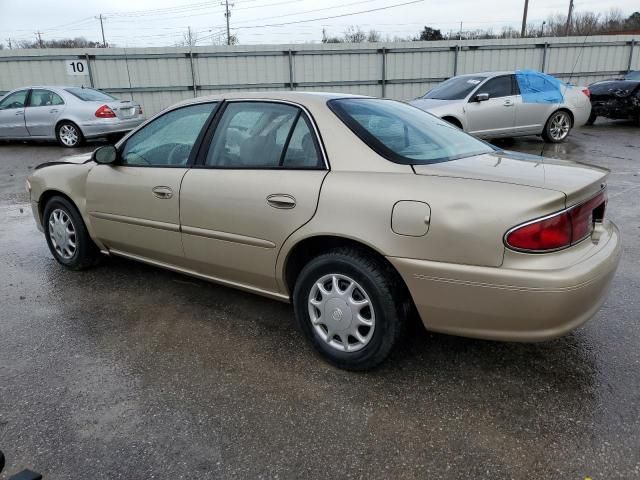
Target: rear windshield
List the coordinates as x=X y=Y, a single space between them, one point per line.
x=405 y=134
x=632 y=75
x=456 y=88
x=90 y=94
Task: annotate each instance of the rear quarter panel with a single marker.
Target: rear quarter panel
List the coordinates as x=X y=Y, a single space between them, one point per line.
x=467 y=223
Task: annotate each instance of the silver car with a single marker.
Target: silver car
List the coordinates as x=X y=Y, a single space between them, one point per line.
x=491 y=105
x=66 y=114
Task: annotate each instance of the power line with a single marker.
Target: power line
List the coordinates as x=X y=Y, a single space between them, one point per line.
x=332 y=16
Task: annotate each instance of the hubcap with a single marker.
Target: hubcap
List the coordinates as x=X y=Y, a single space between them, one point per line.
x=68 y=135
x=341 y=312
x=62 y=234
x=560 y=125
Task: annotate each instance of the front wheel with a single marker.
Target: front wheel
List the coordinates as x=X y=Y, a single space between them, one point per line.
x=557 y=127
x=67 y=235
x=69 y=135
x=351 y=307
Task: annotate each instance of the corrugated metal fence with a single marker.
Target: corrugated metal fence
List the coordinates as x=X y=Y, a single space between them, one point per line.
x=159 y=77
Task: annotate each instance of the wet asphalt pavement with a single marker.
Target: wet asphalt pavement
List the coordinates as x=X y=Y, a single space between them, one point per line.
x=131 y=372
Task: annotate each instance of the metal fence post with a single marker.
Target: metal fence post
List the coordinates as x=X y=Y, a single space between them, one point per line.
x=384 y=71
x=291 y=70
x=86 y=56
x=633 y=43
x=455 y=60
x=193 y=74
x=544 y=57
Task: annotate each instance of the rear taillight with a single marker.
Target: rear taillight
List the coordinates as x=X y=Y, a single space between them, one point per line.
x=105 y=112
x=559 y=230
x=587 y=92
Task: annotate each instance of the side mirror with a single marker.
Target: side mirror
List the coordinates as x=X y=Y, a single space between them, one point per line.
x=482 y=97
x=105 y=155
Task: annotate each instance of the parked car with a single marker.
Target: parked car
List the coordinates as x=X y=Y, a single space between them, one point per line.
x=356 y=210
x=66 y=114
x=492 y=105
x=616 y=99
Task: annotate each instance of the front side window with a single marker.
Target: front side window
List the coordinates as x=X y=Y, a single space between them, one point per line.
x=262 y=135
x=44 y=98
x=169 y=139
x=405 y=134
x=497 y=87
x=15 y=100
x=90 y=94
x=456 y=88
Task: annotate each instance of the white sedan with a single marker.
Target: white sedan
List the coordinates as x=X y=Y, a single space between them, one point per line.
x=509 y=104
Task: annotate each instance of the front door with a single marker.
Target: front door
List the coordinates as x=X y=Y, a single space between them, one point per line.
x=42 y=112
x=259 y=182
x=12 y=115
x=134 y=205
x=496 y=116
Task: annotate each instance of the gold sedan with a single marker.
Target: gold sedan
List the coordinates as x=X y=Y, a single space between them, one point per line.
x=356 y=210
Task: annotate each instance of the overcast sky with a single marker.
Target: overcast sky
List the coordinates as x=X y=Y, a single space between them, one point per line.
x=162 y=22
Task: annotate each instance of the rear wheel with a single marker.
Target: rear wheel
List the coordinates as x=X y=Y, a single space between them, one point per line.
x=67 y=235
x=351 y=308
x=557 y=127
x=592 y=119
x=68 y=134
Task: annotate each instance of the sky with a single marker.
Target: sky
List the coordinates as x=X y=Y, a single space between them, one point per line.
x=149 y=23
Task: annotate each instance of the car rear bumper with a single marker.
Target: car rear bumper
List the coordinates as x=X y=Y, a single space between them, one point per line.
x=514 y=304
x=105 y=126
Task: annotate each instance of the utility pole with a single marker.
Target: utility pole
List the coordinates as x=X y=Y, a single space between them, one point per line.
x=566 y=32
x=227 y=14
x=460 y=33
x=101 y=18
x=39 y=34
x=9 y=42
x=524 y=19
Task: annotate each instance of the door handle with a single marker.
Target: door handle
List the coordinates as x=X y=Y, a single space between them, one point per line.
x=20 y=112
x=162 y=192
x=281 y=200
x=508 y=103
x=53 y=110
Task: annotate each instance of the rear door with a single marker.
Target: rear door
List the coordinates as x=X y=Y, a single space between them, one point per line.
x=12 y=115
x=256 y=184
x=42 y=112
x=531 y=116
x=133 y=206
x=496 y=116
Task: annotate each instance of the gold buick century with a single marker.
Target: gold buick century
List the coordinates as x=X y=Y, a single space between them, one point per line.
x=357 y=210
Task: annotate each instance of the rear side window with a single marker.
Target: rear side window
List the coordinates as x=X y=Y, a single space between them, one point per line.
x=263 y=135
x=44 y=98
x=405 y=134
x=90 y=94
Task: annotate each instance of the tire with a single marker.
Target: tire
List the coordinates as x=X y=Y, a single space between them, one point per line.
x=592 y=119
x=75 y=251
x=558 y=126
x=69 y=134
x=369 y=280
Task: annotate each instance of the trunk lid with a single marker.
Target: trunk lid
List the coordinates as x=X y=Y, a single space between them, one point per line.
x=576 y=180
x=124 y=109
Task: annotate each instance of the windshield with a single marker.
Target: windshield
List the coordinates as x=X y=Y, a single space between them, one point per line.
x=405 y=134
x=632 y=75
x=456 y=88
x=90 y=94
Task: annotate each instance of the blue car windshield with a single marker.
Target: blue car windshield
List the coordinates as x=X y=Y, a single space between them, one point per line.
x=633 y=75
x=405 y=134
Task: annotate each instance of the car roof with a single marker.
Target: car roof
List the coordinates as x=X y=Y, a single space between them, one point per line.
x=304 y=98
x=487 y=74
